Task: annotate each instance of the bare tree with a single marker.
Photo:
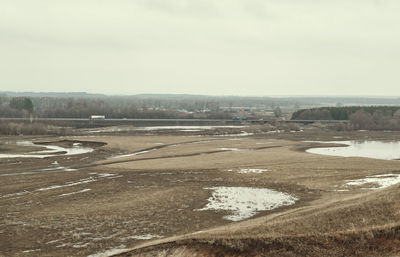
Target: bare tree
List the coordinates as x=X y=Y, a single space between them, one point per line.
x=361 y=120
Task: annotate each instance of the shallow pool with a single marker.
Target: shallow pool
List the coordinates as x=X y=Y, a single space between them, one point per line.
x=384 y=150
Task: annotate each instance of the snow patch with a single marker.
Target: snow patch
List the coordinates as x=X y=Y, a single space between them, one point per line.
x=15 y=194
x=31 y=251
x=229 y=149
x=96 y=177
x=243 y=171
x=381 y=181
x=59 y=168
x=245 y=202
x=241 y=134
x=80 y=245
x=109 y=252
x=55 y=241
x=130 y=154
x=141 y=237
x=76 y=192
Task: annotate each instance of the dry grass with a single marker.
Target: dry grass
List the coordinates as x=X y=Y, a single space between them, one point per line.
x=366 y=225
x=159 y=192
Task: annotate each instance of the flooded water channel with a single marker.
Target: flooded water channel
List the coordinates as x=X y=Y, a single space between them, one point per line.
x=385 y=150
x=51 y=150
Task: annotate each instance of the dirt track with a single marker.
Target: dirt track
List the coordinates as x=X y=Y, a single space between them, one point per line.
x=110 y=203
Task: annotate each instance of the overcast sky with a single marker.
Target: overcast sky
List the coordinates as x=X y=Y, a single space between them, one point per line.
x=213 y=47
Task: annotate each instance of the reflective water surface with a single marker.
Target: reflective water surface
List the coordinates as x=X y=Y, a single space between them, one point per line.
x=384 y=150
x=51 y=150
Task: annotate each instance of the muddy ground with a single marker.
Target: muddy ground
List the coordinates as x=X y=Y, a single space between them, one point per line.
x=135 y=189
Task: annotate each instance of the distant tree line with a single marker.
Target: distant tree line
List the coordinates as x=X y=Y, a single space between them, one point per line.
x=341 y=113
x=359 y=117
x=379 y=120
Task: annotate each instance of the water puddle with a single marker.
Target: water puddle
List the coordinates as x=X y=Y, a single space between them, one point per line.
x=245 y=202
x=51 y=150
x=370 y=149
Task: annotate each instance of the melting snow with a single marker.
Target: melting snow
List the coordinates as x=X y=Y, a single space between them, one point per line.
x=130 y=154
x=68 y=184
x=16 y=194
x=61 y=168
x=381 y=181
x=141 y=237
x=55 y=241
x=30 y=251
x=241 y=134
x=245 y=202
x=76 y=192
x=80 y=245
x=97 y=177
x=109 y=252
x=253 y=170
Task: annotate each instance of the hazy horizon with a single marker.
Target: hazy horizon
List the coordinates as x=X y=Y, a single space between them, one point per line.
x=225 y=48
x=204 y=95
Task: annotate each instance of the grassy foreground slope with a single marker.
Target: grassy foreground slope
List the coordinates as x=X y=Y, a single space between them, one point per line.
x=364 y=225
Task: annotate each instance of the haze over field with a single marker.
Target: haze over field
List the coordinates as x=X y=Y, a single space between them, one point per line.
x=226 y=47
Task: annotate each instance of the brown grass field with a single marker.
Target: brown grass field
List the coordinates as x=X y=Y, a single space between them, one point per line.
x=148 y=204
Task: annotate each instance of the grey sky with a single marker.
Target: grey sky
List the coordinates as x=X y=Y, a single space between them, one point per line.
x=218 y=47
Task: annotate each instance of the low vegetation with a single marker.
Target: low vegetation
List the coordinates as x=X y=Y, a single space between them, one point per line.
x=20 y=128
